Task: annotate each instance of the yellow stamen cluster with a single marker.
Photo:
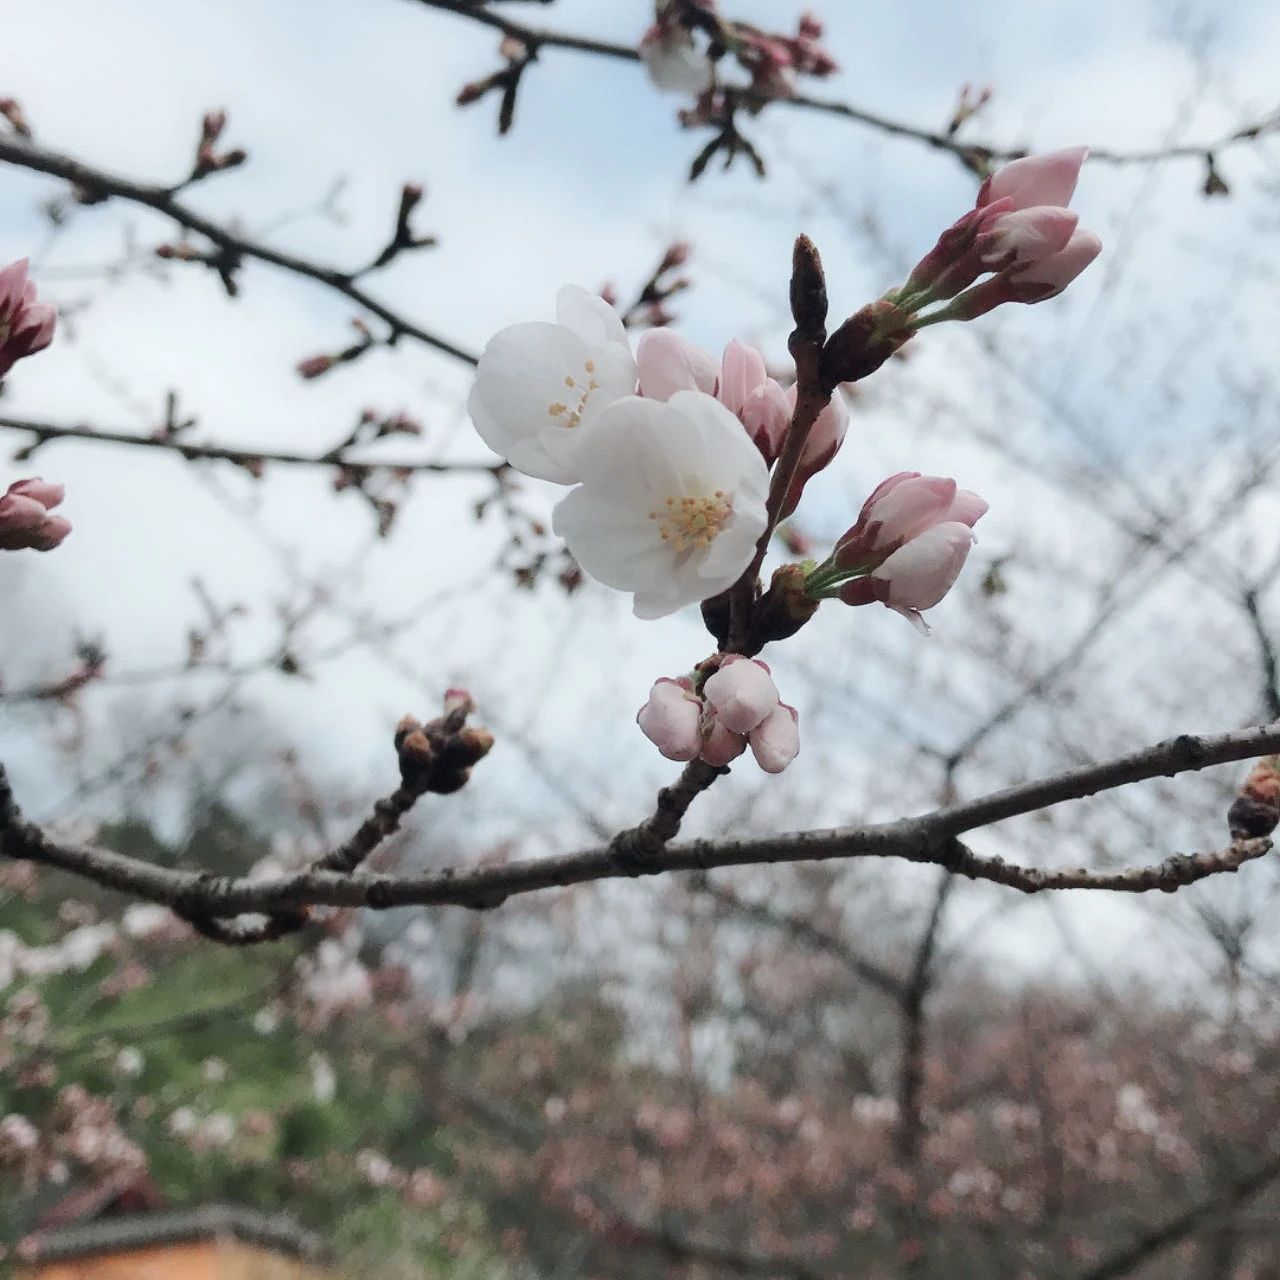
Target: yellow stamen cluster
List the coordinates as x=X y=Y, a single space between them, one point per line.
x=571 y=414
x=693 y=522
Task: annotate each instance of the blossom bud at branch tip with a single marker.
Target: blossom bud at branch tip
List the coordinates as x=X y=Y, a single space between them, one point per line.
x=25 y=522
x=26 y=325
x=670 y=719
x=775 y=741
x=742 y=693
x=738 y=707
x=458 y=700
x=808 y=291
x=314 y=366
x=1255 y=812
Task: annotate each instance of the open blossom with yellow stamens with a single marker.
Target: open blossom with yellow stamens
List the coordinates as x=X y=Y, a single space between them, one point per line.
x=539 y=387
x=672 y=500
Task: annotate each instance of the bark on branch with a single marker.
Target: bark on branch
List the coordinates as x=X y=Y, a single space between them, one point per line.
x=930 y=838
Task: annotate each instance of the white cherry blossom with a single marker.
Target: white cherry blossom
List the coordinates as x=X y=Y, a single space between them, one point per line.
x=539 y=386
x=672 y=500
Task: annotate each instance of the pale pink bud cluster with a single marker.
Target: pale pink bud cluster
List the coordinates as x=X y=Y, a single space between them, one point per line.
x=673 y=60
x=913 y=534
x=1021 y=229
x=667 y=363
x=775 y=60
x=681 y=62
x=25 y=522
x=739 y=708
x=26 y=326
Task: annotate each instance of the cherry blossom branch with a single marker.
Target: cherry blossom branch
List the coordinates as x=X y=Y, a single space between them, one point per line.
x=931 y=839
x=232 y=247
x=968 y=152
x=806 y=345
x=250 y=459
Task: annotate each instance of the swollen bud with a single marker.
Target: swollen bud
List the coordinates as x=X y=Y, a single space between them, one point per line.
x=785 y=607
x=1255 y=812
x=808 y=292
x=863 y=343
x=416 y=759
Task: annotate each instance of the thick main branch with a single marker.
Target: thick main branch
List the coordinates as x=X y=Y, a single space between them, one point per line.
x=931 y=838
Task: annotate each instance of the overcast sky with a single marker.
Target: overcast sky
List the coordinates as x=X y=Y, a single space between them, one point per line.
x=1158 y=366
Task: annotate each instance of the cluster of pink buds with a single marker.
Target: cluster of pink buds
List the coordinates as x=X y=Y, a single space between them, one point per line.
x=667 y=363
x=715 y=719
x=25 y=522
x=774 y=61
x=906 y=549
x=1020 y=229
x=26 y=326
x=686 y=35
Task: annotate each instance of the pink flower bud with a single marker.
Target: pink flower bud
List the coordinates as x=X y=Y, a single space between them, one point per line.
x=1036 y=180
x=901 y=508
x=720 y=745
x=741 y=693
x=741 y=372
x=671 y=719
x=1034 y=282
x=810 y=25
x=918 y=574
x=952 y=265
x=766 y=414
x=820 y=447
x=667 y=364
x=26 y=326
x=46 y=494
x=25 y=522
x=458 y=700
x=677 y=255
x=314 y=366
x=1025 y=236
x=775 y=741
x=1048 y=276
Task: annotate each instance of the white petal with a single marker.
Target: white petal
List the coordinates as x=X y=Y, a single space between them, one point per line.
x=524 y=373
x=728 y=556
x=616 y=545
x=590 y=317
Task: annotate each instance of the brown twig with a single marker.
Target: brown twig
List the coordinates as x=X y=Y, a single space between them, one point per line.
x=968 y=153
x=250 y=459
x=231 y=246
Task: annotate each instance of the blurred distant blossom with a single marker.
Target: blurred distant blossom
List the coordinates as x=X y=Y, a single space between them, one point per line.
x=26 y=325
x=673 y=60
x=25 y=522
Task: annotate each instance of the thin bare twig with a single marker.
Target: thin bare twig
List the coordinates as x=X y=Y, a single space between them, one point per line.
x=232 y=247
x=968 y=152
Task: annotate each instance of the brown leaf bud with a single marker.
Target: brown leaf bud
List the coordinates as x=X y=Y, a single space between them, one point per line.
x=1255 y=812
x=863 y=343
x=808 y=291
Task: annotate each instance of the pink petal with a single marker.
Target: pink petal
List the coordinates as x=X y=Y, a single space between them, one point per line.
x=775 y=742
